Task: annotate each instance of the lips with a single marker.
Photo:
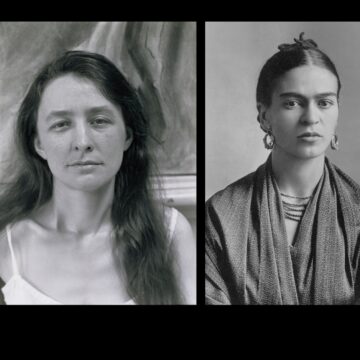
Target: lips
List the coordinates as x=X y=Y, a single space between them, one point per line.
x=309 y=134
x=84 y=163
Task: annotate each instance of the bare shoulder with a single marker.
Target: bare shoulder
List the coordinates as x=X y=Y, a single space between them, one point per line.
x=183 y=244
x=5 y=256
x=180 y=227
x=183 y=231
x=19 y=230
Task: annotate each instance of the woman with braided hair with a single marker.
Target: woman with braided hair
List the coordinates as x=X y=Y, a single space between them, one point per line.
x=288 y=233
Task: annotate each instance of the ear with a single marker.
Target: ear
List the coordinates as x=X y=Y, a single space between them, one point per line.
x=129 y=138
x=263 y=118
x=39 y=149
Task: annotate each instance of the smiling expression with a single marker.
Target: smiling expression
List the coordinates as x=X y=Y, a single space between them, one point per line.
x=304 y=111
x=80 y=134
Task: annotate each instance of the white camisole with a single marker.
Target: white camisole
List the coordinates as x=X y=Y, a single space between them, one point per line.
x=18 y=291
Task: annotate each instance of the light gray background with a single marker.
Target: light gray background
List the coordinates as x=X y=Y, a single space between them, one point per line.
x=158 y=58
x=235 y=53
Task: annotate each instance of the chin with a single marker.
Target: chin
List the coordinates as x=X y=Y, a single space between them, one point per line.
x=302 y=152
x=310 y=153
x=89 y=184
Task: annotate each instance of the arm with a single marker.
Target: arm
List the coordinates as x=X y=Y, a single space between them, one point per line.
x=184 y=247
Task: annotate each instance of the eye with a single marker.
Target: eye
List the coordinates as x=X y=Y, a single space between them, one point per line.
x=325 y=103
x=291 y=104
x=100 y=121
x=60 y=125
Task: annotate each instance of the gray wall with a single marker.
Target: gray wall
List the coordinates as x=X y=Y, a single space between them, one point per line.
x=235 y=53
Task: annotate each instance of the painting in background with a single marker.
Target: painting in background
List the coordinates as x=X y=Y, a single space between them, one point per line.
x=158 y=59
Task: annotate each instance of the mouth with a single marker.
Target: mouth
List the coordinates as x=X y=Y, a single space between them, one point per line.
x=85 y=163
x=311 y=135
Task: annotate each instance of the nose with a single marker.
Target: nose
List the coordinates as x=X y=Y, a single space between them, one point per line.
x=82 y=139
x=311 y=115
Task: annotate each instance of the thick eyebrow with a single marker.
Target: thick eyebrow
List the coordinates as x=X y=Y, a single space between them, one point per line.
x=294 y=94
x=92 y=111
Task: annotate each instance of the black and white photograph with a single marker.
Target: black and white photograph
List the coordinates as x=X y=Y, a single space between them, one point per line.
x=282 y=213
x=98 y=163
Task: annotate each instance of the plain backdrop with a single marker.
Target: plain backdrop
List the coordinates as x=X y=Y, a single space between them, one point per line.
x=235 y=54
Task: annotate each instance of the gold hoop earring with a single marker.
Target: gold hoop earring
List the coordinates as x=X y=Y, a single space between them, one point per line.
x=269 y=141
x=334 y=142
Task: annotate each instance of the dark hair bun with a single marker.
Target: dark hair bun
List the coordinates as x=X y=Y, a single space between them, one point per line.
x=299 y=44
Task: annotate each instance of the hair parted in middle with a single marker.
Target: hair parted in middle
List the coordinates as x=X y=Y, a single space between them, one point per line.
x=301 y=52
x=137 y=219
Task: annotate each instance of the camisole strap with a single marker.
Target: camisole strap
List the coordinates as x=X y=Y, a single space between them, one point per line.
x=172 y=224
x=13 y=259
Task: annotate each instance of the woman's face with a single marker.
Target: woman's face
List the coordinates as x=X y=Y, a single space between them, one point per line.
x=81 y=134
x=304 y=111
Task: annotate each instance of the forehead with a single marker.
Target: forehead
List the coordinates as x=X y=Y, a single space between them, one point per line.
x=71 y=92
x=307 y=80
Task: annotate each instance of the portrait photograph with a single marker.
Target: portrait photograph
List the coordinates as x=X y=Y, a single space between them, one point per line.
x=98 y=163
x=282 y=215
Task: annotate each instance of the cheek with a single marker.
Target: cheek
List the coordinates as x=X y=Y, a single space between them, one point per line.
x=112 y=142
x=283 y=121
x=331 y=122
x=55 y=147
x=285 y=124
x=112 y=152
x=335 y=118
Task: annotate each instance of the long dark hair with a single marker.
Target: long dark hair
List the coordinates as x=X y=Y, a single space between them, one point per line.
x=138 y=221
x=290 y=56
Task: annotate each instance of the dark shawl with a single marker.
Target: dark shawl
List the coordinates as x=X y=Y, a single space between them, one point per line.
x=248 y=259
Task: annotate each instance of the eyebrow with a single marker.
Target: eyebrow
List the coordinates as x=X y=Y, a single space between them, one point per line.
x=92 y=111
x=100 y=109
x=59 y=113
x=294 y=94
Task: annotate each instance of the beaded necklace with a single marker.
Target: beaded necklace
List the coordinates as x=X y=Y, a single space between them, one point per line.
x=294 y=211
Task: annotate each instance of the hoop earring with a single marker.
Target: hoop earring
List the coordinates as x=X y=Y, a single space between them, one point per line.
x=269 y=141
x=334 y=142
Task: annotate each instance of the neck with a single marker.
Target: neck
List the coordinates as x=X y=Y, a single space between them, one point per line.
x=296 y=176
x=78 y=211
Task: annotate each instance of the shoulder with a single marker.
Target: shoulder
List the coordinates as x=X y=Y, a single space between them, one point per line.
x=5 y=256
x=351 y=187
x=5 y=263
x=233 y=192
x=183 y=245
x=179 y=227
x=349 y=192
x=18 y=231
x=171 y=215
x=227 y=213
x=230 y=199
x=182 y=227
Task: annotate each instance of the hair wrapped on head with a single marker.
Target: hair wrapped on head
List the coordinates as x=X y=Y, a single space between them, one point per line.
x=302 y=52
x=299 y=43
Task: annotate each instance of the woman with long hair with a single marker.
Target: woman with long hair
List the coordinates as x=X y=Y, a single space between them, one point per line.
x=288 y=233
x=79 y=220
